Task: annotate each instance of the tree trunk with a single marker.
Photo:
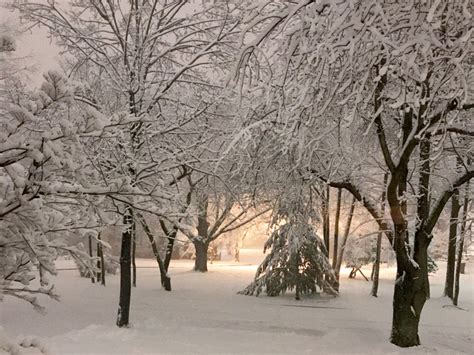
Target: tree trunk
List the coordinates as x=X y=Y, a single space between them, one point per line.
x=326 y=230
x=453 y=226
x=165 y=279
x=336 y=228
x=410 y=292
x=125 y=271
x=461 y=246
x=169 y=248
x=340 y=256
x=134 y=250
x=91 y=255
x=100 y=255
x=202 y=243
x=171 y=236
x=376 y=268
x=200 y=263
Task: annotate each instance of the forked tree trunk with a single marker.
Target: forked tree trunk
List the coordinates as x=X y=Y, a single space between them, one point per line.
x=453 y=227
x=411 y=288
x=200 y=263
x=125 y=271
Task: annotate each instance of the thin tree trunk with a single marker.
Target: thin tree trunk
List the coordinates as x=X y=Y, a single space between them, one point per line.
x=165 y=279
x=336 y=228
x=345 y=236
x=171 y=236
x=100 y=254
x=125 y=271
x=91 y=255
x=134 y=250
x=326 y=229
x=453 y=227
x=376 y=268
x=461 y=246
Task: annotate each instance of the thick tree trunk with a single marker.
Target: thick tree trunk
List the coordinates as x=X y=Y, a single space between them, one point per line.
x=202 y=243
x=411 y=290
x=453 y=227
x=125 y=272
x=200 y=263
x=336 y=228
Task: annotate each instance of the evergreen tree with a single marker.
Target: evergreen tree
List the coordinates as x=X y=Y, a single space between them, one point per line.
x=298 y=259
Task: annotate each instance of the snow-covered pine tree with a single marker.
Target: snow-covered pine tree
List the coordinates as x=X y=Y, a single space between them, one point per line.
x=298 y=259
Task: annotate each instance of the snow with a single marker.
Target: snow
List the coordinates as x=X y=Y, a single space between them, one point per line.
x=203 y=314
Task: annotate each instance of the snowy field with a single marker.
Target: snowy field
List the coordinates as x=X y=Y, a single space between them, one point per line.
x=203 y=314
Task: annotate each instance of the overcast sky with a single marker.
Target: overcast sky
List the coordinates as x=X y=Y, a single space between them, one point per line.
x=34 y=47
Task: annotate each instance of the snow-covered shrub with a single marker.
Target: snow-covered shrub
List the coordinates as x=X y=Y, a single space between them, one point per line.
x=359 y=252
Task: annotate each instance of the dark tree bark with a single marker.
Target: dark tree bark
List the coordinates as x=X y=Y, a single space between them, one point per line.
x=125 y=271
x=326 y=230
x=376 y=268
x=170 y=247
x=453 y=227
x=134 y=250
x=461 y=246
x=336 y=228
x=101 y=262
x=91 y=254
x=410 y=292
x=200 y=263
x=202 y=243
x=171 y=236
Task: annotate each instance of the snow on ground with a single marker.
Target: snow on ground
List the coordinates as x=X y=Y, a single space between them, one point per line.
x=204 y=315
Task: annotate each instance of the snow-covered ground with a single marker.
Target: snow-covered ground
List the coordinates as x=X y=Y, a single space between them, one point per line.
x=203 y=314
